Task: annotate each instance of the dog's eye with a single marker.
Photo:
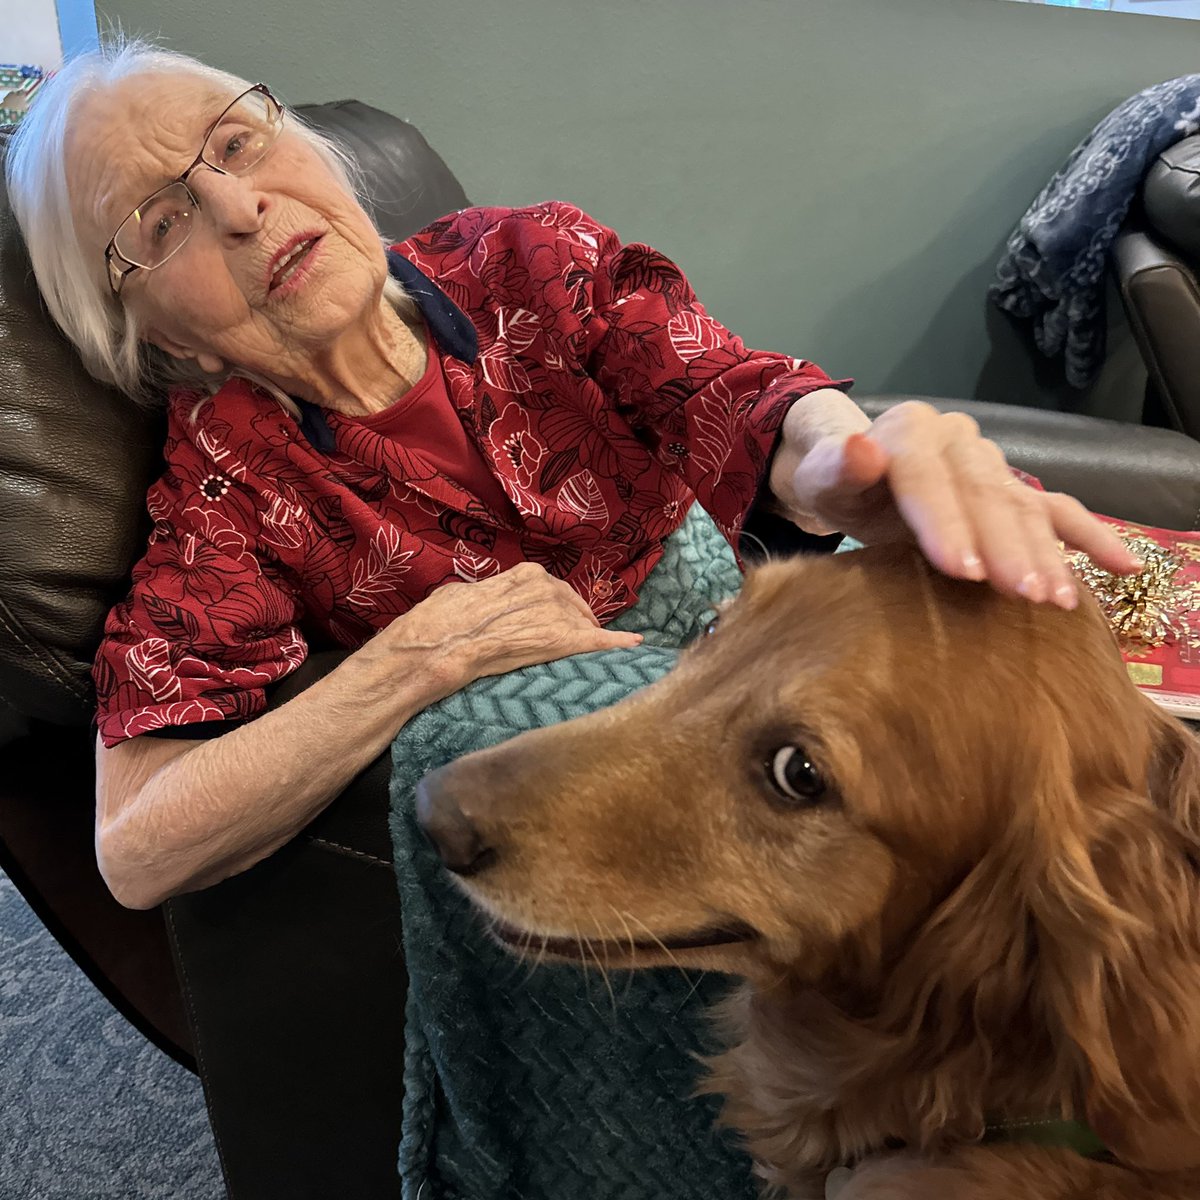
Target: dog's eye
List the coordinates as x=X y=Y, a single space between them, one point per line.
x=794 y=775
x=711 y=627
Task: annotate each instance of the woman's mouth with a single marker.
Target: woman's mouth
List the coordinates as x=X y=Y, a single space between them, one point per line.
x=292 y=265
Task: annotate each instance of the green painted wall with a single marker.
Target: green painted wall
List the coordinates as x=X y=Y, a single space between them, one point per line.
x=836 y=176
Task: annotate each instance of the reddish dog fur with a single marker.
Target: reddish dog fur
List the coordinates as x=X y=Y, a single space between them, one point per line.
x=987 y=910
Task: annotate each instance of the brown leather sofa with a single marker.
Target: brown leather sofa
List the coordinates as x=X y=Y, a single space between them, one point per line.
x=284 y=986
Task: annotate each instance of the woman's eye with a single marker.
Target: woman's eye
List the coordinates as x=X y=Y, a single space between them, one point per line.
x=163 y=227
x=233 y=144
x=794 y=775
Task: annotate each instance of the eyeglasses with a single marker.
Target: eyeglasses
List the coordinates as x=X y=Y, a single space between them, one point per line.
x=239 y=139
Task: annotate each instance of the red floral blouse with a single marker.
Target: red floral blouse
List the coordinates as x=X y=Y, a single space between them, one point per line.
x=582 y=373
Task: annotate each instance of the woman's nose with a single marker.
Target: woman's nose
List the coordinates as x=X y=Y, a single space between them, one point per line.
x=232 y=203
x=457 y=839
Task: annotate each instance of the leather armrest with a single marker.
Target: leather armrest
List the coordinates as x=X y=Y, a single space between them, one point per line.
x=1162 y=303
x=356 y=823
x=294 y=981
x=1132 y=471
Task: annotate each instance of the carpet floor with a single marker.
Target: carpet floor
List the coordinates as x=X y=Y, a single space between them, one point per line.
x=88 y=1108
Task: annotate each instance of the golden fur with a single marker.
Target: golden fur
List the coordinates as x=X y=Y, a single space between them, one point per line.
x=990 y=912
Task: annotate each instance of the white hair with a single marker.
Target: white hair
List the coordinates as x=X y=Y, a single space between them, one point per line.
x=74 y=283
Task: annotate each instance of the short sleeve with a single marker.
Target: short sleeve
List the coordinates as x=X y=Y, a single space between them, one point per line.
x=207 y=626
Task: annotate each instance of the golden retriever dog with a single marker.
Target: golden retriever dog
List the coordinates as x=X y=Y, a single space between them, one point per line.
x=953 y=853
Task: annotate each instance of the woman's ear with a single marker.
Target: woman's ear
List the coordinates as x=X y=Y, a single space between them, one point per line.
x=1128 y=990
x=210 y=364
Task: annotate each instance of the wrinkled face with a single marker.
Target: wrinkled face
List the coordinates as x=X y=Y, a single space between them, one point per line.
x=805 y=785
x=213 y=301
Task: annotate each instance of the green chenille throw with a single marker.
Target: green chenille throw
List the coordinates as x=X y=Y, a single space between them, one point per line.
x=536 y=1084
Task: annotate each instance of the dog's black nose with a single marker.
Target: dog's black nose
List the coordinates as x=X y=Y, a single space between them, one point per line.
x=456 y=838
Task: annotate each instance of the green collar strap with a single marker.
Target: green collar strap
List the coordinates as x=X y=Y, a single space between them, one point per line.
x=1052 y=1132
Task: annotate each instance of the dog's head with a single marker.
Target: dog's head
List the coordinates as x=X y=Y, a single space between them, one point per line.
x=873 y=778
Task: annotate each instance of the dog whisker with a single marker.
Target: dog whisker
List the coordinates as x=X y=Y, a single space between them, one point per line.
x=764 y=549
x=516 y=963
x=663 y=946
x=595 y=959
x=697 y=980
x=632 y=944
x=542 y=951
x=533 y=965
x=583 y=958
x=525 y=960
x=625 y=924
x=603 y=968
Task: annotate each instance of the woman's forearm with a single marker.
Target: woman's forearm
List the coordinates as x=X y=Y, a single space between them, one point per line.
x=225 y=804
x=172 y=820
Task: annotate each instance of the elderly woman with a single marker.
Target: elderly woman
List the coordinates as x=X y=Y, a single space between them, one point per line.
x=457 y=456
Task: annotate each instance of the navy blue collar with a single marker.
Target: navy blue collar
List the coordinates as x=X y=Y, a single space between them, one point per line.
x=447 y=322
x=450 y=326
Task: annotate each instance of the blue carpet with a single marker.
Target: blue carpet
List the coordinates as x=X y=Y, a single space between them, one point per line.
x=88 y=1108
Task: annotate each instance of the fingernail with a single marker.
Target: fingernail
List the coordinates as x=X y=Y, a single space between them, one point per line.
x=972 y=566
x=1065 y=596
x=1139 y=564
x=1033 y=587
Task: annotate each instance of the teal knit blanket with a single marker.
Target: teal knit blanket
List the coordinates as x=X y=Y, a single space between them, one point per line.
x=538 y=1084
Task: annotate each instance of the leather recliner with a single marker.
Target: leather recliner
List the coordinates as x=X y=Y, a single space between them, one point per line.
x=1156 y=260
x=284 y=986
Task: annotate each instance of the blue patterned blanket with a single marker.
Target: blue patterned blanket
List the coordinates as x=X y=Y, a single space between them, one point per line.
x=1052 y=273
x=539 y=1085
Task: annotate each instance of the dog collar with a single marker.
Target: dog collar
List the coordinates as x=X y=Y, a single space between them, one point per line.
x=1052 y=1132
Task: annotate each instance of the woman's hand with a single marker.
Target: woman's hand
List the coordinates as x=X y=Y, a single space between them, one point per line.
x=916 y=473
x=515 y=619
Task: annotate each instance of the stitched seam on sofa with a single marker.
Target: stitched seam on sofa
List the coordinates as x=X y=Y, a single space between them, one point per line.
x=1167 y=395
x=1133 y=311
x=60 y=672
x=337 y=847
x=199 y=1041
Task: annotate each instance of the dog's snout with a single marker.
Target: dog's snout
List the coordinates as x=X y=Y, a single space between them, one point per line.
x=455 y=836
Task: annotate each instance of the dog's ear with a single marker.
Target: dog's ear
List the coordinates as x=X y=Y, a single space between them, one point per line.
x=1117 y=913
x=1174 y=775
x=1080 y=925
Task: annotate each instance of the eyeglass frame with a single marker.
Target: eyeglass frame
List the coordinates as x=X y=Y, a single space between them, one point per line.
x=111 y=251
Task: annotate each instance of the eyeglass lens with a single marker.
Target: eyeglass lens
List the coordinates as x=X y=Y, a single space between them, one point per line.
x=163 y=222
